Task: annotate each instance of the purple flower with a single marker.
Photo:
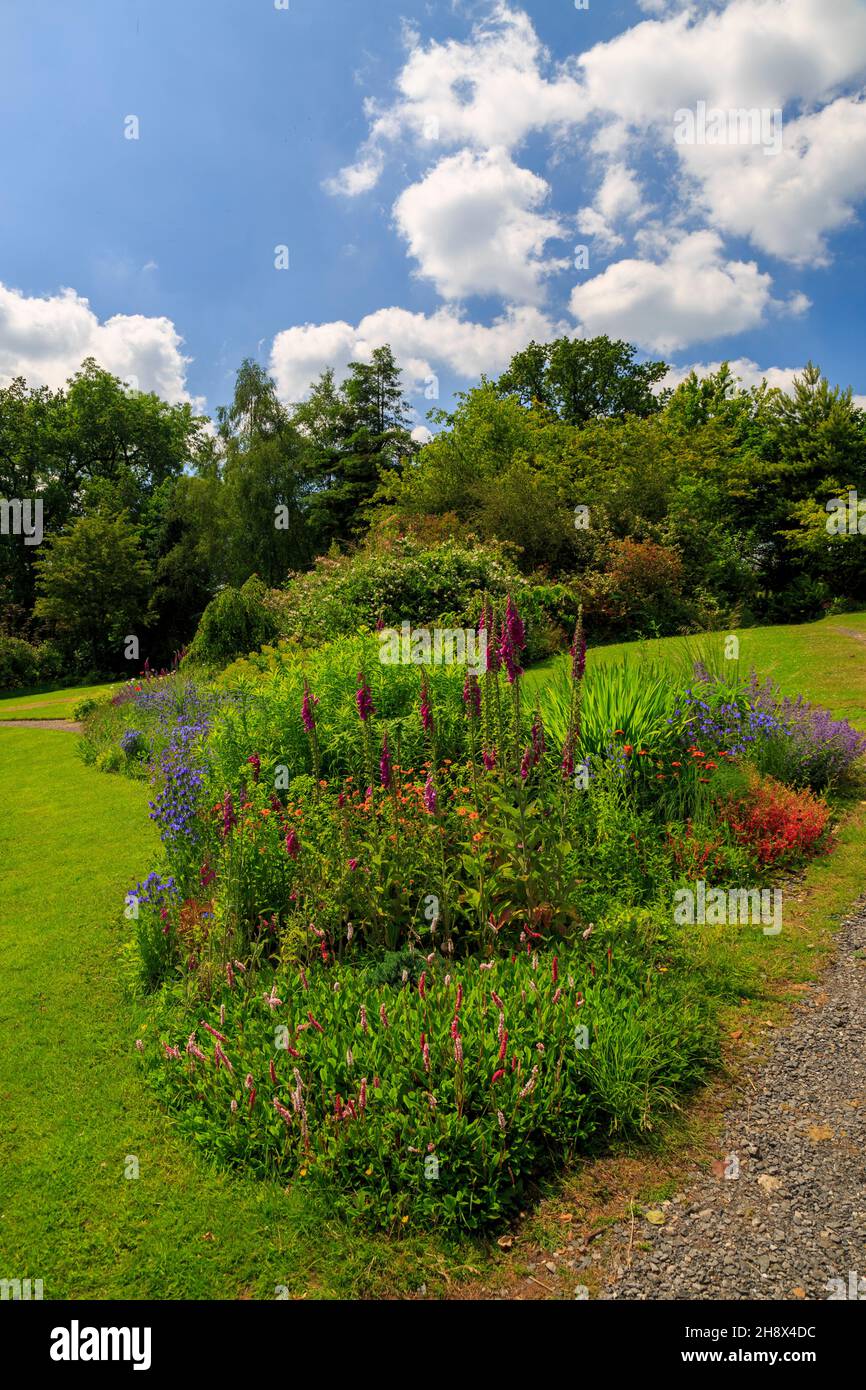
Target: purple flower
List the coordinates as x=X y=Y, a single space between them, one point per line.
x=568 y=757
x=307 y=716
x=472 y=695
x=293 y=845
x=426 y=712
x=385 y=763
x=526 y=762
x=488 y=757
x=537 y=736
x=578 y=650
x=487 y=627
x=363 y=699
x=430 y=795
x=255 y=763
x=514 y=626
x=230 y=820
x=512 y=640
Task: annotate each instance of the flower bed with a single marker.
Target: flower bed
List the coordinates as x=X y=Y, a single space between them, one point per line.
x=408 y=916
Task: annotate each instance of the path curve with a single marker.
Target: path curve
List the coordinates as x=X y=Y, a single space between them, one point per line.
x=794 y=1220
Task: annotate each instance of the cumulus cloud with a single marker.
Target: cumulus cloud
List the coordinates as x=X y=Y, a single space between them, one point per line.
x=694 y=294
x=45 y=339
x=748 y=373
x=489 y=91
x=423 y=344
x=619 y=197
x=786 y=203
x=788 y=55
x=475 y=225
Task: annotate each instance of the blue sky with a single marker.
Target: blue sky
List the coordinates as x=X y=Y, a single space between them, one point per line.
x=431 y=169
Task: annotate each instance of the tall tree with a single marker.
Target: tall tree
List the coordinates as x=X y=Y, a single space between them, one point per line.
x=582 y=379
x=360 y=431
x=265 y=474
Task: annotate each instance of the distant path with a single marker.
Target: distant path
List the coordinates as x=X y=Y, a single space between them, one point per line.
x=68 y=724
x=794 y=1219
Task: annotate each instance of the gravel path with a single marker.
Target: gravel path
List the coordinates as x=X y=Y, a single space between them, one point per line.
x=794 y=1219
x=68 y=724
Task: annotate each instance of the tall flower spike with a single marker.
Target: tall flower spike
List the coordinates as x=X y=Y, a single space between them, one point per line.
x=426 y=712
x=578 y=649
x=385 y=763
x=472 y=695
x=307 y=716
x=363 y=699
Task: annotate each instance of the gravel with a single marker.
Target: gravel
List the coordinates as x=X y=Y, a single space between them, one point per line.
x=792 y=1223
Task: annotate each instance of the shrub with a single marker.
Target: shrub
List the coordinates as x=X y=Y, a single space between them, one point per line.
x=235 y=622
x=403 y=579
x=780 y=826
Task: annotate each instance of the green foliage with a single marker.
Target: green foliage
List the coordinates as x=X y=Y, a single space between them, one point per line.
x=237 y=621
x=401 y=580
x=23 y=664
x=582 y=379
x=93 y=583
x=408 y=1103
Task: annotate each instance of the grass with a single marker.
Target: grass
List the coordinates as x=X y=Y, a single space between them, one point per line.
x=74 y=1105
x=46 y=703
x=824 y=661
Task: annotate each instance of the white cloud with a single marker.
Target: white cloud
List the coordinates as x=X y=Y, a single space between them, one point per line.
x=474 y=225
x=787 y=202
x=45 y=339
x=748 y=373
x=490 y=91
x=423 y=344
x=691 y=296
x=765 y=53
x=619 y=196
x=790 y=55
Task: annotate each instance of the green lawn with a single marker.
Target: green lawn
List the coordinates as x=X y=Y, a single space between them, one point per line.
x=824 y=661
x=74 y=1106
x=48 y=703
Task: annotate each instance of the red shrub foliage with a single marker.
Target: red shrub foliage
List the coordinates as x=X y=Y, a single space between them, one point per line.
x=779 y=825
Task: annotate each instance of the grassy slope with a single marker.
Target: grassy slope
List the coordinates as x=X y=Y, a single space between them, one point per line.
x=73 y=1105
x=47 y=703
x=824 y=661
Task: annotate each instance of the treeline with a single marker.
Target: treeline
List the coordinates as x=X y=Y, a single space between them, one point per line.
x=148 y=510
x=659 y=510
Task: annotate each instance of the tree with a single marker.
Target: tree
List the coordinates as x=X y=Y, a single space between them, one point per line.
x=265 y=476
x=582 y=379
x=93 y=582
x=359 y=432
